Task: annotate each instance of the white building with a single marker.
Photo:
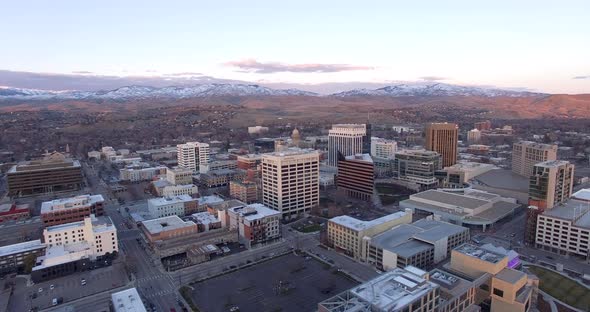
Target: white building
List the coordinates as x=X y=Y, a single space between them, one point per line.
x=257 y=130
x=193 y=154
x=141 y=174
x=346 y=139
x=290 y=181
x=218 y=165
x=176 y=190
x=98 y=232
x=179 y=176
x=526 y=154
x=168 y=206
x=94 y=154
x=127 y=300
x=256 y=223
x=473 y=136
x=383 y=148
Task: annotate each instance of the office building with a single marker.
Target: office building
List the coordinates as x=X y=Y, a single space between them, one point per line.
x=526 y=154
x=422 y=244
x=290 y=181
x=66 y=210
x=483 y=125
x=551 y=183
x=346 y=139
x=443 y=138
x=14 y=212
x=417 y=167
x=180 y=205
x=72 y=247
x=52 y=174
x=347 y=234
x=127 y=300
x=166 y=228
x=192 y=155
x=468 y=208
x=383 y=148
x=221 y=178
x=256 y=224
x=246 y=191
x=141 y=174
x=181 y=176
x=12 y=257
x=249 y=161
x=473 y=136
x=356 y=176
x=408 y=289
x=218 y=165
x=176 y=190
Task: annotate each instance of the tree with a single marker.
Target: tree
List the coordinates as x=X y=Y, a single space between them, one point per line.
x=29 y=262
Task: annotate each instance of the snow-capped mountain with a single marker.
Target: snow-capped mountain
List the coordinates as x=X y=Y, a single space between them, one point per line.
x=143 y=92
x=434 y=89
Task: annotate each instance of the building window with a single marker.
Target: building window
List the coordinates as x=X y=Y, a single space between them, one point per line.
x=498 y=292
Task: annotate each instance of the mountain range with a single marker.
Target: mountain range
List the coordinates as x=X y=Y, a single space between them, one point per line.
x=247 y=90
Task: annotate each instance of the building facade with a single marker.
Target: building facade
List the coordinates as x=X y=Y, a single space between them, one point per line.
x=180 y=205
x=356 y=176
x=192 y=155
x=290 y=181
x=67 y=210
x=246 y=191
x=256 y=224
x=14 y=212
x=346 y=139
x=181 y=176
x=443 y=138
x=383 y=148
x=417 y=166
x=166 y=228
x=526 y=154
x=12 y=257
x=176 y=190
x=473 y=136
x=551 y=183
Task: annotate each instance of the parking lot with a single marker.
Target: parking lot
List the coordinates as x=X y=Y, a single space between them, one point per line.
x=68 y=287
x=287 y=283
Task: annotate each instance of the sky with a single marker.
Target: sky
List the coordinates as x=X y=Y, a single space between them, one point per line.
x=533 y=45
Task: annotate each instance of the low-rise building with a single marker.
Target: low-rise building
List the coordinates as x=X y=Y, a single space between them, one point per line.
x=457 y=294
x=12 y=257
x=349 y=235
x=423 y=244
x=73 y=247
x=14 y=212
x=408 y=289
x=206 y=221
x=246 y=191
x=221 y=178
x=180 y=189
x=72 y=209
x=249 y=161
x=218 y=165
x=256 y=223
x=141 y=174
x=459 y=174
x=180 y=176
x=180 y=205
x=127 y=300
x=165 y=228
x=468 y=208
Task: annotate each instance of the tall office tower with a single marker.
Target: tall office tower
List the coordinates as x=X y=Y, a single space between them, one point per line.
x=193 y=154
x=417 y=166
x=346 y=139
x=382 y=148
x=443 y=139
x=551 y=183
x=483 y=125
x=356 y=176
x=291 y=181
x=473 y=136
x=526 y=154
x=367 y=139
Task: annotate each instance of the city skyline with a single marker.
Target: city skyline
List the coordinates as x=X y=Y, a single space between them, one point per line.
x=321 y=47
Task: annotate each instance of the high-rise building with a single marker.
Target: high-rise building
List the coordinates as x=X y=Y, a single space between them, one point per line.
x=383 y=148
x=346 y=139
x=473 y=136
x=192 y=155
x=526 y=154
x=367 y=139
x=443 y=139
x=551 y=183
x=356 y=176
x=290 y=181
x=417 y=166
x=483 y=125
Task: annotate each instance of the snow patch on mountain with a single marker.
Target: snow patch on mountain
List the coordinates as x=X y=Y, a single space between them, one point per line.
x=434 y=89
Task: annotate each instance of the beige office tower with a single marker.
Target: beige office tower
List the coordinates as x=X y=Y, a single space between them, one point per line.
x=551 y=183
x=192 y=155
x=443 y=138
x=526 y=154
x=290 y=181
x=346 y=139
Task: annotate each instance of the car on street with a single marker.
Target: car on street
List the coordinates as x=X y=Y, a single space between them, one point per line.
x=234 y=309
x=40 y=289
x=83 y=282
x=52 y=287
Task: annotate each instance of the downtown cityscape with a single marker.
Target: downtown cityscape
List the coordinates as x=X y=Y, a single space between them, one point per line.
x=131 y=183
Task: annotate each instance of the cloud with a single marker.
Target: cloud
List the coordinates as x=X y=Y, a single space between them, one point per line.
x=83 y=72
x=433 y=78
x=253 y=66
x=184 y=74
x=581 y=77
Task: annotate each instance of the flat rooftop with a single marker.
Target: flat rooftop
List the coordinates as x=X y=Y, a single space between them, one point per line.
x=209 y=200
x=583 y=194
x=480 y=253
x=62 y=204
x=255 y=211
x=127 y=301
x=359 y=225
x=170 y=223
x=411 y=248
x=510 y=276
x=101 y=223
x=552 y=163
x=503 y=179
x=362 y=157
x=170 y=200
x=48 y=163
x=204 y=218
x=435 y=230
x=293 y=151
x=451 y=285
x=226 y=204
x=21 y=247
x=447 y=198
x=574 y=210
